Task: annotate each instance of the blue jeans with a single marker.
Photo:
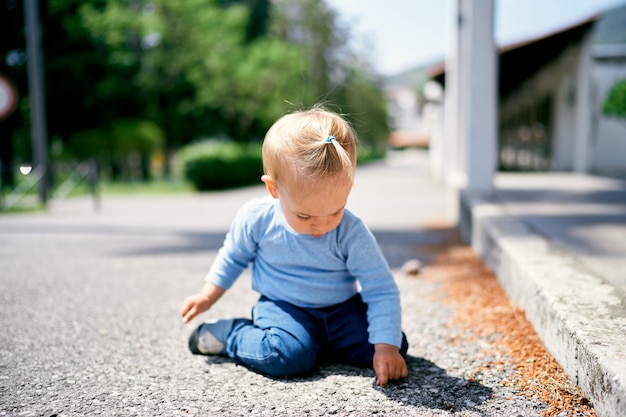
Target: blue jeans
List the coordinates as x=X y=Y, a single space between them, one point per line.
x=283 y=340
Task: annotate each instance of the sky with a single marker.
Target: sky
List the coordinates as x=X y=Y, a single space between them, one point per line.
x=397 y=35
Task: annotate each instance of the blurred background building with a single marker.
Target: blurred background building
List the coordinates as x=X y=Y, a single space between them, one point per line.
x=550 y=101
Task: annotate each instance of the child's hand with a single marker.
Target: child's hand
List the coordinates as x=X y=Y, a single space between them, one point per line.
x=194 y=305
x=388 y=364
x=201 y=302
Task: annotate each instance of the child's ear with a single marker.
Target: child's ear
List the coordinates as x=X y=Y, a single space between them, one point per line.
x=270 y=184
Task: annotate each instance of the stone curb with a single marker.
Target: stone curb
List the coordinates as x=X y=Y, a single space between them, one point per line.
x=580 y=318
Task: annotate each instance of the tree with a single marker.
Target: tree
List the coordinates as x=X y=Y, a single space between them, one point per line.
x=335 y=74
x=85 y=89
x=311 y=24
x=615 y=102
x=136 y=139
x=364 y=104
x=198 y=67
x=194 y=68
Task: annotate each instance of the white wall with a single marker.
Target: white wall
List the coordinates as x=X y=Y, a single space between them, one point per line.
x=608 y=134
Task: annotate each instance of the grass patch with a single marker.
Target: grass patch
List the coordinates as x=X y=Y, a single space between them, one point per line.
x=154 y=187
x=29 y=202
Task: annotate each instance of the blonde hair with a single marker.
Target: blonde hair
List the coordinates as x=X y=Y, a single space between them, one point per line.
x=309 y=144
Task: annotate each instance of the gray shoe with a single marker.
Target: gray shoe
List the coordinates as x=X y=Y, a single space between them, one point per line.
x=210 y=337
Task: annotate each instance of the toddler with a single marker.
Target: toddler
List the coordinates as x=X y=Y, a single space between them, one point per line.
x=327 y=294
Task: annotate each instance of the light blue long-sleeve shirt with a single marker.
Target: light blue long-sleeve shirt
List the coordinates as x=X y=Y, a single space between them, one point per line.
x=307 y=271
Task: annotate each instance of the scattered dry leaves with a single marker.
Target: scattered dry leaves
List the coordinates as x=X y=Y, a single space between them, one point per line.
x=482 y=307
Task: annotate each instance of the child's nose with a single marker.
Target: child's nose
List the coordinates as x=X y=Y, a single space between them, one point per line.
x=321 y=223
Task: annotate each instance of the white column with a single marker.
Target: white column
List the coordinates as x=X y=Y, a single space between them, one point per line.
x=583 y=108
x=450 y=146
x=470 y=147
x=478 y=96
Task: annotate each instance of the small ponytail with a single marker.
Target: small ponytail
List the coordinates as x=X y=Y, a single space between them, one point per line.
x=344 y=156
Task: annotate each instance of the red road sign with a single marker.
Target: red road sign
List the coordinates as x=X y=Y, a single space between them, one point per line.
x=8 y=97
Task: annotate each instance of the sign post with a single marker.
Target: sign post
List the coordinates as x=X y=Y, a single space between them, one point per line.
x=36 y=89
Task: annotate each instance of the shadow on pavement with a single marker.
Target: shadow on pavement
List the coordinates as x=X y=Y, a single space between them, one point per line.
x=559 y=196
x=428 y=386
x=397 y=246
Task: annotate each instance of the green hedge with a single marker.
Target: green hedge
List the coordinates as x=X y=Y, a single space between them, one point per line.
x=219 y=165
x=215 y=165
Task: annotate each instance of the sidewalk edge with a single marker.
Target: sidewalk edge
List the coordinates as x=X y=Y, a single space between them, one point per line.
x=572 y=310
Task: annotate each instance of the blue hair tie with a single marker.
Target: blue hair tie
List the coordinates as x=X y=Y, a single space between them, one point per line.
x=329 y=139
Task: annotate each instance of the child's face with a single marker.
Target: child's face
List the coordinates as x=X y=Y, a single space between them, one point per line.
x=317 y=211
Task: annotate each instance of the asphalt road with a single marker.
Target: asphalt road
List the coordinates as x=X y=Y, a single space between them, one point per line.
x=89 y=312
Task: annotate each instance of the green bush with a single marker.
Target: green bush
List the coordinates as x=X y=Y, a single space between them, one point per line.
x=366 y=153
x=218 y=165
x=615 y=102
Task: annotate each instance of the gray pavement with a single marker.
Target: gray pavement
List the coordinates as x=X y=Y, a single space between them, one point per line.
x=90 y=312
x=557 y=243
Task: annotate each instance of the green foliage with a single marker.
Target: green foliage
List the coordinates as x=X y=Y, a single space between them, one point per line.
x=112 y=146
x=216 y=165
x=197 y=64
x=615 y=102
x=367 y=154
x=135 y=135
x=335 y=74
x=92 y=143
x=194 y=68
x=259 y=85
x=364 y=104
x=313 y=27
